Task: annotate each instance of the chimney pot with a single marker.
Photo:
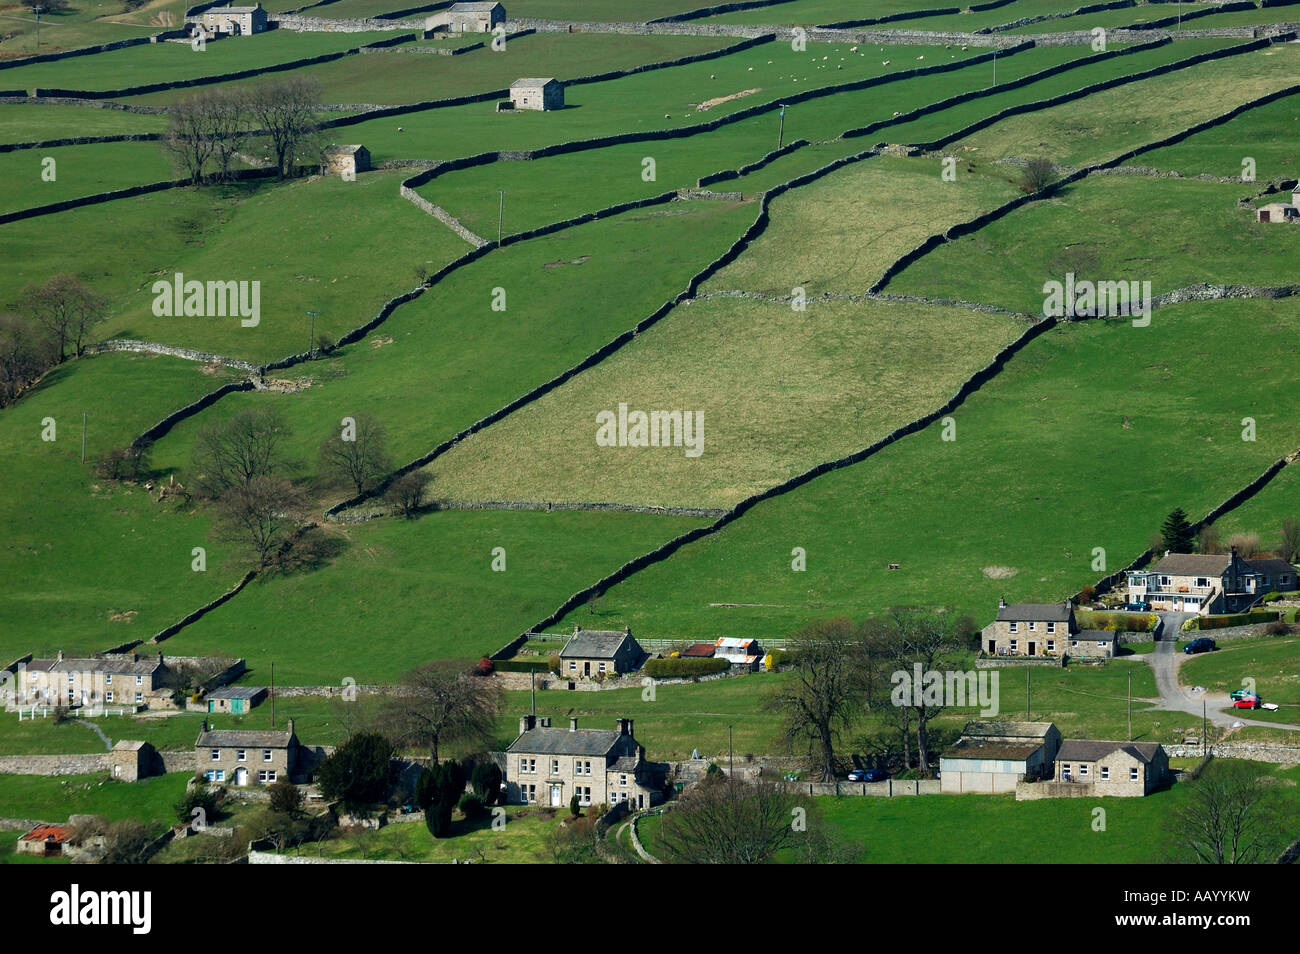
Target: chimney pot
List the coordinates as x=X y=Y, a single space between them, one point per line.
x=573 y=723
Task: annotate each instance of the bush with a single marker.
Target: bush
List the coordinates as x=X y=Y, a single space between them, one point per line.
x=574 y=810
x=553 y=663
x=472 y=807
x=1087 y=594
x=286 y=798
x=1277 y=628
x=1037 y=175
x=1236 y=619
x=1272 y=597
x=676 y=668
x=200 y=797
x=778 y=658
x=359 y=771
x=484 y=667
x=485 y=779
x=521 y=665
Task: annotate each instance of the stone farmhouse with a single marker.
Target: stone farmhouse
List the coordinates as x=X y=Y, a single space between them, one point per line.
x=468 y=18
x=234 y=21
x=548 y=766
x=992 y=757
x=1043 y=629
x=537 y=93
x=248 y=757
x=346 y=161
x=1112 y=768
x=1207 y=583
x=102 y=681
x=605 y=652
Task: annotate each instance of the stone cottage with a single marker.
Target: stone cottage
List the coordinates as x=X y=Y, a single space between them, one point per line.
x=1029 y=629
x=548 y=766
x=592 y=652
x=537 y=93
x=1209 y=582
x=247 y=757
x=469 y=18
x=117 y=680
x=234 y=21
x=1112 y=768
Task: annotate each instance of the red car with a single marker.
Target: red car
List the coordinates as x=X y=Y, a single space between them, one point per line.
x=1246 y=702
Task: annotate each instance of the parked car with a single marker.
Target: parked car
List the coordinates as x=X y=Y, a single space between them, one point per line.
x=1246 y=702
x=868 y=775
x=1240 y=694
x=1138 y=607
x=1202 y=644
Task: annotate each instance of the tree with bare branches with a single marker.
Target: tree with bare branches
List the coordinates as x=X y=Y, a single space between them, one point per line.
x=285 y=112
x=236 y=450
x=443 y=703
x=729 y=821
x=1229 y=818
x=358 y=456
x=261 y=513
x=67 y=310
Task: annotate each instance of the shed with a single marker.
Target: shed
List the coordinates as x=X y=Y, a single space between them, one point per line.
x=471 y=17
x=991 y=757
x=43 y=840
x=132 y=760
x=542 y=93
x=235 y=700
x=699 y=651
x=1278 y=212
x=346 y=161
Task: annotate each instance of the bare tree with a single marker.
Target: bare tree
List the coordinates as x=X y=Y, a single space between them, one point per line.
x=824 y=691
x=1038 y=175
x=406 y=493
x=442 y=703
x=900 y=641
x=188 y=139
x=25 y=355
x=228 y=116
x=360 y=460
x=1208 y=539
x=236 y=450
x=1289 y=549
x=67 y=310
x=261 y=513
x=1229 y=818
x=285 y=112
x=730 y=821
x=1246 y=544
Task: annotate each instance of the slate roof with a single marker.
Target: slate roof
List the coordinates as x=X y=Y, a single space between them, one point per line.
x=1087 y=750
x=979 y=749
x=594 y=644
x=626 y=764
x=243 y=739
x=559 y=741
x=121 y=664
x=534 y=81
x=1272 y=567
x=129 y=745
x=236 y=692
x=472 y=7
x=1193 y=564
x=251 y=9
x=1014 y=730
x=1095 y=635
x=1034 y=612
x=345 y=150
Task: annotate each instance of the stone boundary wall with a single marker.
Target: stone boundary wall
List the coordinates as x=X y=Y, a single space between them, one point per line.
x=442 y=215
x=720 y=8
x=80 y=141
x=300 y=24
x=169 y=631
x=432 y=50
x=55 y=764
x=1077 y=12
x=728 y=174
x=427 y=8
x=890 y=788
x=79 y=51
x=150 y=347
x=214 y=79
x=274 y=858
x=891 y=18
x=22 y=97
x=582 y=505
x=1231 y=7
x=1255 y=751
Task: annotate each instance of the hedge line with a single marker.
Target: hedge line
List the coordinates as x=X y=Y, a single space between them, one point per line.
x=521 y=665
x=678 y=667
x=720 y=8
x=80 y=141
x=1237 y=619
x=426 y=8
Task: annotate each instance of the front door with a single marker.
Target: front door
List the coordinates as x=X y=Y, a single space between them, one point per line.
x=1033 y=649
x=586 y=669
x=241 y=776
x=237 y=706
x=557 y=795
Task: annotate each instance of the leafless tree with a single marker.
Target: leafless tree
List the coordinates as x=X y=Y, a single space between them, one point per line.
x=1208 y=539
x=1289 y=549
x=67 y=310
x=1038 y=174
x=236 y=450
x=261 y=513
x=406 y=493
x=730 y=821
x=904 y=638
x=824 y=691
x=1247 y=544
x=359 y=461
x=285 y=112
x=441 y=703
x=1229 y=818
x=228 y=119
x=25 y=354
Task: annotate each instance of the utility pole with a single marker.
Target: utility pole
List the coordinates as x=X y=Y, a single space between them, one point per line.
x=38 y=27
x=1205 y=730
x=273 y=694
x=83 y=437
x=311 y=335
x=1028 y=671
x=731 y=762
x=501 y=214
x=995 y=66
x=532 y=688
x=780 y=136
x=1130 y=706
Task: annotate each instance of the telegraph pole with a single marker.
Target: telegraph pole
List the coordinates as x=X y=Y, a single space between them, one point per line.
x=731 y=761
x=1028 y=680
x=501 y=214
x=83 y=437
x=273 y=694
x=780 y=136
x=311 y=335
x=1130 y=706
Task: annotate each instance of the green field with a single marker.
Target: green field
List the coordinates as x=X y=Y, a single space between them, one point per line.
x=1272 y=662
x=78 y=171
x=35 y=122
x=1270 y=131
x=53 y=798
x=959 y=515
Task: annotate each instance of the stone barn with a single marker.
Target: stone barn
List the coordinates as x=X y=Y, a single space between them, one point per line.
x=472 y=17
x=234 y=21
x=1278 y=212
x=133 y=760
x=537 y=93
x=346 y=161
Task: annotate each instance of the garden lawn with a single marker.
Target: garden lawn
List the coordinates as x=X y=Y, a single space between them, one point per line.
x=779 y=392
x=521 y=841
x=988 y=513
x=1204 y=237
x=89 y=564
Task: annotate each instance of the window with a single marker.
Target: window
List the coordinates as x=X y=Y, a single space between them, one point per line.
x=1166 y=580
x=1133 y=775
x=210 y=775
x=602 y=667
x=581 y=767
x=573 y=666
x=139 y=680
x=1074 y=643
x=1013 y=645
x=266 y=755
x=1033 y=626
x=218 y=775
x=139 y=697
x=555 y=766
x=1051 y=645
x=1101 y=643
x=622 y=780
x=1065 y=770
x=584 y=794
x=1203 y=582
x=1014 y=627
x=1105 y=773
x=241 y=755
x=216 y=755
x=108 y=678
x=266 y=775
x=1051 y=628
x=108 y=696
x=528 y=793
x=71 y=676
x=1083 y=770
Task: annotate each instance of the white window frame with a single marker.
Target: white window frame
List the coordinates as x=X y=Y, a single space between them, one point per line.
x=108 y=678
x=1105 y=773
x=1133 y=773
x=267 y=756
x=555 y=766
x=1013 y=645
x=241 y=755
x=139 y=680
x=215 y=755
x=1013 y=627
x=108 y=695
x=1051 y=629
x=1083 y=770
x=1051 y=645
x=1033 y=626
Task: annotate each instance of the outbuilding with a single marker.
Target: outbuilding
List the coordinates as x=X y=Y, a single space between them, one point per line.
x=543 y=93
x=472 y=17
x=346 y=161
x=1278 y=212
x=991 y=757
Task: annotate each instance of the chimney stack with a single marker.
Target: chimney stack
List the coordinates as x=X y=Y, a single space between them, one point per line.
x=629 y=729
x=526 y=722
x=1002 y=603
x=573 y=723
x=546 y=722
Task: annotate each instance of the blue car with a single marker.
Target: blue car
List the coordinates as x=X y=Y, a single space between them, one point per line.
x=1202 y=645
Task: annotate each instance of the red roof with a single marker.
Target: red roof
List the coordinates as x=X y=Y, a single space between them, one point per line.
x=54 y=833
x=699 y=650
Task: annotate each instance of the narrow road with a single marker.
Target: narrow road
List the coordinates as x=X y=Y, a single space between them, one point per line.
x=1165 y=662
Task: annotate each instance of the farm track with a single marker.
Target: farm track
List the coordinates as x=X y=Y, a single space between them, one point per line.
x=757 y=228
